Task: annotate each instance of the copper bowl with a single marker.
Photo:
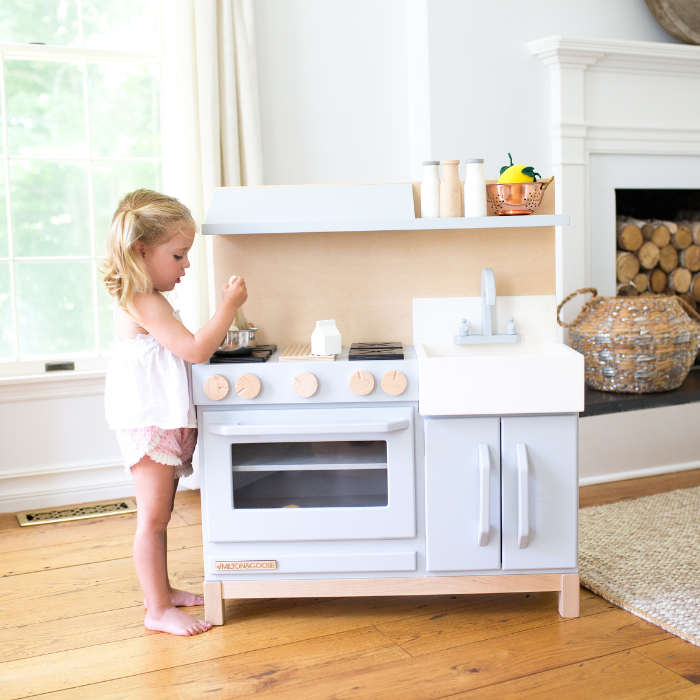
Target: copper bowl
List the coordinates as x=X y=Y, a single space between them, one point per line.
x=515 y=198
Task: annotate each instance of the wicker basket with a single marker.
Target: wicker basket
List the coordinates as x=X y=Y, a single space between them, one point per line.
x=634 y=344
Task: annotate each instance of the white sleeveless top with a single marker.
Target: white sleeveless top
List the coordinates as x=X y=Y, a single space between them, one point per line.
x=148 y=385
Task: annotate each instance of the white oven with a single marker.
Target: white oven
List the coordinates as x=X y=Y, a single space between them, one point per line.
x=309 y=474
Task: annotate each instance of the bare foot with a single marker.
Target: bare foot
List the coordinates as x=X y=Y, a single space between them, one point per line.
x=174 y=621
x=182 y=599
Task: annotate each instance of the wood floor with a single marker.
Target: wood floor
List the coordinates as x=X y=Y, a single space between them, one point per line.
x=71 y=619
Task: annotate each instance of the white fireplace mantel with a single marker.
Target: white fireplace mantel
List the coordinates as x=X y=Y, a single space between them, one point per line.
x=637 y=100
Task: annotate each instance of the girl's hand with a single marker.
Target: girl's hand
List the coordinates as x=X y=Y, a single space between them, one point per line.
x=235 y=294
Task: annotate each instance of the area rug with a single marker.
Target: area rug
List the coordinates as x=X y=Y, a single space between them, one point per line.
x=644 y=555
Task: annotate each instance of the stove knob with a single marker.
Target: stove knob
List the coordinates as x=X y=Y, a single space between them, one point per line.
x=362 y=383
x=247 y=386
x=305 y=385
x=394 y=383
x=216 y=387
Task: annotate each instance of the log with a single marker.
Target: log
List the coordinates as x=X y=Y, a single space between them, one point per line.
x=672 y=226
x=627 y=266
x=626 y=290
x=657 y=280
x=669 y=292
x=690 y=258
x=660 y=235
x=682 y=238
x=690 y=301
x=694 y=227
x=695 y=287
x=641 y=282
x=629 y=237
x=679 y=280
x=668 y=258
x=648 y=255
x=647 y=230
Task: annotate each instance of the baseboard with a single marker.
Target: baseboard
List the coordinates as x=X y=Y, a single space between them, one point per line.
x=639 y=473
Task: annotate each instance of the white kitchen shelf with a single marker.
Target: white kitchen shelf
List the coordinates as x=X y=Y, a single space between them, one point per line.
x=458 y=223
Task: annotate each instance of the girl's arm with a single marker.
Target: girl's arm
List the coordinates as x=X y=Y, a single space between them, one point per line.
x=154 y=313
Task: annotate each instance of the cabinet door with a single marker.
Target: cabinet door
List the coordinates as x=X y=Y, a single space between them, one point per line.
x=462 y=481
x=539 y=474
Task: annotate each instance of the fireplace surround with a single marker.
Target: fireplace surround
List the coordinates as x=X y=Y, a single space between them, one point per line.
x=624 y=115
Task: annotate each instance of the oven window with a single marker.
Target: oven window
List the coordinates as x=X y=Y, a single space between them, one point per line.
x=340 y=474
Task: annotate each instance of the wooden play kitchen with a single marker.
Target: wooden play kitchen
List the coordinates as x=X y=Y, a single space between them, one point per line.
x=406 y=464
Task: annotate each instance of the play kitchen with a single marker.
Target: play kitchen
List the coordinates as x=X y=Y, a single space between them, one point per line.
x=406 y=422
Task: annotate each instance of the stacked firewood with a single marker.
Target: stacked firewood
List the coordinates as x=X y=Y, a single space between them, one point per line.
x=659 y=257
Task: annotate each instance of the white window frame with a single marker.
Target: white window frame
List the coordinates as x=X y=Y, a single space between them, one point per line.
x=90 y=364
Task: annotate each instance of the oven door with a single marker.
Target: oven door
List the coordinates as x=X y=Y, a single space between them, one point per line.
x=309 y=474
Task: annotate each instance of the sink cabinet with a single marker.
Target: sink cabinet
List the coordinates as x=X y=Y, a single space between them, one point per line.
x=501 y=493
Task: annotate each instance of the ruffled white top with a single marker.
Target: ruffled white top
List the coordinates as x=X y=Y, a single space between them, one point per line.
x=147 y=385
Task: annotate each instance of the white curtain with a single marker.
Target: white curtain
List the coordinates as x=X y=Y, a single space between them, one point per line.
x=211 y=124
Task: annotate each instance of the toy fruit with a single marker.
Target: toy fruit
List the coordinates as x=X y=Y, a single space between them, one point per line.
x=517 y=173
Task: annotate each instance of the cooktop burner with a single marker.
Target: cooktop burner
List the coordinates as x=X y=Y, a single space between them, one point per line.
x=376 y=351
x=261 y=354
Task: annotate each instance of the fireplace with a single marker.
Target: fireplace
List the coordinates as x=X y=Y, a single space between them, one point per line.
x=624 y=117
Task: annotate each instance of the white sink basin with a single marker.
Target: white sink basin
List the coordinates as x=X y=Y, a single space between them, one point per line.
x=500 y=379
x=537 y=375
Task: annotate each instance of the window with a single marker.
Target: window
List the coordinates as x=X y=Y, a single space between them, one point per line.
x=80 y=114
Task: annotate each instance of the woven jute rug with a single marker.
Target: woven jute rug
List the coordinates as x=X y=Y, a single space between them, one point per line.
x=644 y=555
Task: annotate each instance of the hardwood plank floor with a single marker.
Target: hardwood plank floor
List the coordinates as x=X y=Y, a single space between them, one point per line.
x=71 y=620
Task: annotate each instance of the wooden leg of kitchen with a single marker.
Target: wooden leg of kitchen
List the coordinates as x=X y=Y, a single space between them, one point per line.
x=214 y=603
x=568 y=595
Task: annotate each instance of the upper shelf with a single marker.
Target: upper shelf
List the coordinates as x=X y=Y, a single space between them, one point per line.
x=334 y=208
x=459 y=222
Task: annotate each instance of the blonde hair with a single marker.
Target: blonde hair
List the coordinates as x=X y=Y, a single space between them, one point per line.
x=142 y=216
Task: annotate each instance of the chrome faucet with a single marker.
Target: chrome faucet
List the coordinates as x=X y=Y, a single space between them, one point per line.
x=488 y=300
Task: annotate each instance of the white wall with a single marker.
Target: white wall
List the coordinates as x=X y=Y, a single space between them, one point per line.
x=333 y=90
x=334 y=81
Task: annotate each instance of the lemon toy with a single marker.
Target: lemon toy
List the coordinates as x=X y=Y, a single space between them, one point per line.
x=517 y=173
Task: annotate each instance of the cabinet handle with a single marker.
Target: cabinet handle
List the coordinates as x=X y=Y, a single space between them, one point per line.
x=523 y=511
x=482 y=533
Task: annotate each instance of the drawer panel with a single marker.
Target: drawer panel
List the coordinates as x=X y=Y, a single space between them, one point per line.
x=315 y=563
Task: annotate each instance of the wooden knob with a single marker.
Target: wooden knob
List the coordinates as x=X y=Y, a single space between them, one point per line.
x=247 y=386
x=216 y=387
x=362 y=383
x=305 y=384
x=394 y=383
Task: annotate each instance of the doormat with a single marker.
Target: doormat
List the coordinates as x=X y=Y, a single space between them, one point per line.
x=88 y=510
x=644 y=556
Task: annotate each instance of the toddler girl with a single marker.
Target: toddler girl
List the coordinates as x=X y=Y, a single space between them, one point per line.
x=148 y=396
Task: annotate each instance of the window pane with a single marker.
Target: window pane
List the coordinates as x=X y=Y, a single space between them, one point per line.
x=49 y=208
x=38 y=21
x=54 y=307
x=110 y=182
x=7 y=334
x=105 y=310
x=4 y=247
x=127 y=25
x=124 y=109
x=45 y=108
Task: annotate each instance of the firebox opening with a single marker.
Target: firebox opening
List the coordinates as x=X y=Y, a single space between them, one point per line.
x=658 y=243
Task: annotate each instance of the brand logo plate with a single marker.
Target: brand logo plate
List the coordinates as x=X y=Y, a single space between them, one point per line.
x=245 y=565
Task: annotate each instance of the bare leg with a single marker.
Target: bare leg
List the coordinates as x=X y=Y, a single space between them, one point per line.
x=179 y=598
x=154 y=486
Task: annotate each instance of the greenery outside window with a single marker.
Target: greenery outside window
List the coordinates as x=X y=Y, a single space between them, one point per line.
x=80 y=125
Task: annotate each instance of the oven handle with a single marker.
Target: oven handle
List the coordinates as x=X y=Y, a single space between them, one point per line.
x=236 y=430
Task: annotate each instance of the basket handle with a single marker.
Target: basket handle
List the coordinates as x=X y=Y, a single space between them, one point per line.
x=584 y=309
x=689 y=309
x=547 y=184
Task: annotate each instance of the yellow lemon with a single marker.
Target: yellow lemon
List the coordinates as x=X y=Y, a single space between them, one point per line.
x=517 y=173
